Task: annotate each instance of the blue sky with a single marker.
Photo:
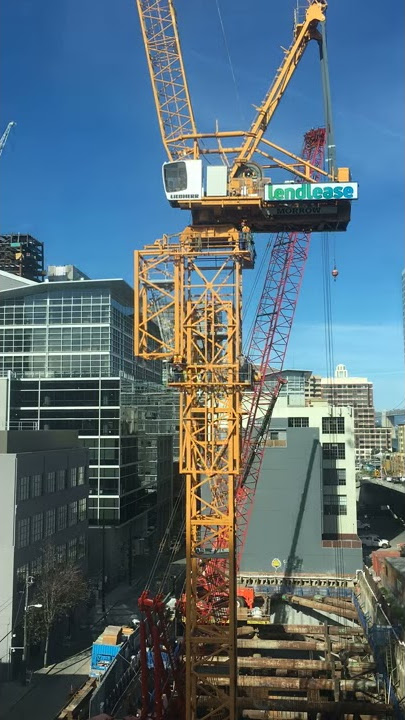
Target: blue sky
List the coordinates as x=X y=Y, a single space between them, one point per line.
x=81 y=170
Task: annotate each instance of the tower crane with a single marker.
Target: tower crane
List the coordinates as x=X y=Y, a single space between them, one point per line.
x=5 y=135
x=228 y=202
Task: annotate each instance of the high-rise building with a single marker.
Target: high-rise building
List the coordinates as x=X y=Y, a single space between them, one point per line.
x=356 y=392
x=68 y=348
x=22 y=255
x=304 y=515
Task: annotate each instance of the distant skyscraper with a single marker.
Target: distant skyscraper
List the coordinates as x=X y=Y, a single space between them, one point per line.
x=22 y=255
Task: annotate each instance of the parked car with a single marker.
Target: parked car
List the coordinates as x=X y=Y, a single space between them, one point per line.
x=374 y=541
x=363 y=525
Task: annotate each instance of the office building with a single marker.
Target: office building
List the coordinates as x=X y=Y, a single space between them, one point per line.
x=305 y=507
x=356 y=392
x=68 y=347
x=44 y=490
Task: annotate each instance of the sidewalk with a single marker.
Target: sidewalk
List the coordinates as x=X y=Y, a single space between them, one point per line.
x=47 y=692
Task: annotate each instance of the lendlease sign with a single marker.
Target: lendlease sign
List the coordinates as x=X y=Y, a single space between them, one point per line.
x=311 y=191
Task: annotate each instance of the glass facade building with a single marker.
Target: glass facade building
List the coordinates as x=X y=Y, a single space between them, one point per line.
x=71 y=329
x=69 y=348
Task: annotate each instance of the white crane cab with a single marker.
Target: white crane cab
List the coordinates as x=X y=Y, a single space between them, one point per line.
x=183 y=180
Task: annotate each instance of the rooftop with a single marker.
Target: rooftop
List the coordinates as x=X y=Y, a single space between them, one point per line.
x=119 y=288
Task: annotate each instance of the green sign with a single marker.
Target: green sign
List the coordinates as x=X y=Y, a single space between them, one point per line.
x=311 y=191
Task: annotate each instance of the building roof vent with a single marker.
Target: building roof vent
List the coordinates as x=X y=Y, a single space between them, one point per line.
x=341 y=371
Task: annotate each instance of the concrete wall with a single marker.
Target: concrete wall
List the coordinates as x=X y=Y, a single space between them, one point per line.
x=286 y=522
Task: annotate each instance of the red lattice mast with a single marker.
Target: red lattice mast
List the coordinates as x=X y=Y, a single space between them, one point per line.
x=268 y=346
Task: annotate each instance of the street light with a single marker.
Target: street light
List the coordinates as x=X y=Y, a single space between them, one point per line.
x=25 y=645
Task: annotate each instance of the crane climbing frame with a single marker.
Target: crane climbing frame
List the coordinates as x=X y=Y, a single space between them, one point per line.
x=205 y=295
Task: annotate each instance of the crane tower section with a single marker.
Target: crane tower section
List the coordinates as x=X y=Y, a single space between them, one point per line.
x=199 y=278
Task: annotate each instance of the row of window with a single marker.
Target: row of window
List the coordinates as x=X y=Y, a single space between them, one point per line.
x=330 y=425
x=58 y=365
x=45 y=524
x=73 y=550
x=31 y=486
x=334 y=451
x=330 y=451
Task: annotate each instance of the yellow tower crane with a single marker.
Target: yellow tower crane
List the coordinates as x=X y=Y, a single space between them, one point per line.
x=195 y=278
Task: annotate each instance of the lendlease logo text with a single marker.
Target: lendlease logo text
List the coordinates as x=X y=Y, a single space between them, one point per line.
x=311 y=191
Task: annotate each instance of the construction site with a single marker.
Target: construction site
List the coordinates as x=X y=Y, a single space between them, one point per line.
x=295 y=630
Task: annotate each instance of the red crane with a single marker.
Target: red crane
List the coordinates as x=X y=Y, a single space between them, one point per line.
x=268 y=346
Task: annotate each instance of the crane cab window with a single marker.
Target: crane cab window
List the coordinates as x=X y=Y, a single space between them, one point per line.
x=175 y=177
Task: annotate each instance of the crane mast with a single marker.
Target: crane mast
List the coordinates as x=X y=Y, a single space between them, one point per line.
x=195 y=278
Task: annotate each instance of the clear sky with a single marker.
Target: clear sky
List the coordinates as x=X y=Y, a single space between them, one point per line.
x=81 y=170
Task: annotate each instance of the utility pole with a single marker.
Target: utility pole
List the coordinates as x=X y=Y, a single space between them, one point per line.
x=25 y=644
x=103 y=561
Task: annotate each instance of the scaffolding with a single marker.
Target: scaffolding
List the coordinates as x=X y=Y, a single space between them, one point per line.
x=22 y=255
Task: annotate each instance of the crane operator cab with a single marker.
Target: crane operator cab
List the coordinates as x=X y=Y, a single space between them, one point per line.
x=215 y=196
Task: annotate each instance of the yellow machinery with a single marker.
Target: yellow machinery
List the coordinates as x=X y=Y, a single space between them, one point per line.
x=194 y=279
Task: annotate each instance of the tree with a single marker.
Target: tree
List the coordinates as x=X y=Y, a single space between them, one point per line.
x=59 y=588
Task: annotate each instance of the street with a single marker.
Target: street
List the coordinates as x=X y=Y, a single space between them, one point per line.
x=50 y=688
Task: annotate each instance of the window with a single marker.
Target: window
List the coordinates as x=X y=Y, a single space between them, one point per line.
x=62 y=517
x=60 y=479
x=50 y=482
x=298 y=422
x=73 y=477
x=36 y=527
x=23 y=533
x=72 y=549
x=50 y=519
x=334 y=451
x=278 y=438
x=36 y=485
x=82 y=509
x=81 y=475
x=335 y=505
x=21 y=575
x=73 y=513
x=334 y=476
x=23 y=488
x=333 y=425
x=81 y=547
x=36 y=566
x=61 y=553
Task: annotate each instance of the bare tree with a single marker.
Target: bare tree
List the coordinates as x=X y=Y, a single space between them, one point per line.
x=59 y=589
